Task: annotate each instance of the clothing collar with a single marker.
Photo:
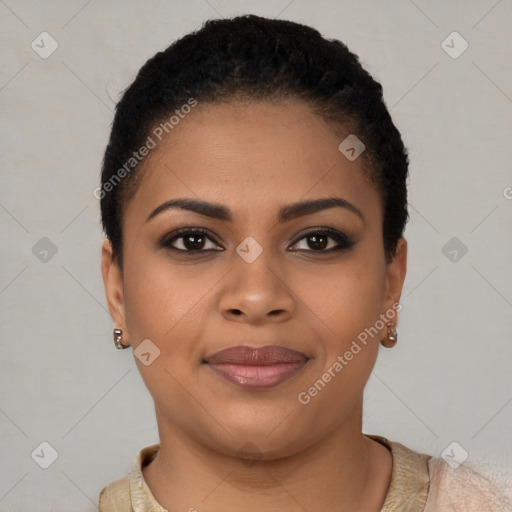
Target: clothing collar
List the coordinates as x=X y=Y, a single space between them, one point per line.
x=407 y=490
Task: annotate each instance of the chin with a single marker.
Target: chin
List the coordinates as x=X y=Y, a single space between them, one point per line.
x=267 y=436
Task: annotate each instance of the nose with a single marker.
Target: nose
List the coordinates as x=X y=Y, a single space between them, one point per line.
x=257 y=292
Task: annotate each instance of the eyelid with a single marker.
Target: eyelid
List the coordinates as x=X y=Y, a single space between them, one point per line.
x=343 y=240
x=166 y=240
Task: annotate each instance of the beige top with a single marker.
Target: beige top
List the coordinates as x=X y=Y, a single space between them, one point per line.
x=419 y=483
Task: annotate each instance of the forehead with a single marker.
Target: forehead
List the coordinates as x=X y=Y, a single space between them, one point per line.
x=253 y=157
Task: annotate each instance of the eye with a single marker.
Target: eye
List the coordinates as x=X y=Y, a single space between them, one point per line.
x=199 y=240
x=190 y=240
x=318 y=240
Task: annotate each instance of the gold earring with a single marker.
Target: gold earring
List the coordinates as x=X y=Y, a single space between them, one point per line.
x=392 y=337
x=118 y=336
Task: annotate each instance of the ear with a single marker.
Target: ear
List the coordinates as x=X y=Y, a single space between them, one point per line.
x=113 y=282
x=395 y=275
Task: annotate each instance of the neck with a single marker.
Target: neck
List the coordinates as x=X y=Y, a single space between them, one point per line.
x=344 y=471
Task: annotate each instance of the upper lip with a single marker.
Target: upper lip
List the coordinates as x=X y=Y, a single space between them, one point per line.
x=261 y=356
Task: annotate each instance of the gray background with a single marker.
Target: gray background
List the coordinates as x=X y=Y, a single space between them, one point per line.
x=62 y=380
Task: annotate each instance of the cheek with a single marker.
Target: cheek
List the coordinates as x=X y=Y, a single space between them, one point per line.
x=348 y=303
x=159 y=296
x=159 y=306
x=347 y=299
x=144 y=303
x=170 y=305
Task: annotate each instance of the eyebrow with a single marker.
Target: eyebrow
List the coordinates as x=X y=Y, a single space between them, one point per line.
x=286 y=213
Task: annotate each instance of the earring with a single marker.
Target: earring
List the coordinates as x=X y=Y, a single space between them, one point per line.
x=392 y=337
x=118 y=336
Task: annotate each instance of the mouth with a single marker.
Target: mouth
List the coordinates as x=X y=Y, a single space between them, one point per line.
x=256 y=367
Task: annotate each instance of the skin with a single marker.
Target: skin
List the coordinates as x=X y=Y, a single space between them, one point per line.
x=253 y=158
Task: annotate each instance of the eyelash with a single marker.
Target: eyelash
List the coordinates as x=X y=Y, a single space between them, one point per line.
x=344 y=241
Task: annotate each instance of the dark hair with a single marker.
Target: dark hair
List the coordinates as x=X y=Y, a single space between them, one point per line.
x=253 y=58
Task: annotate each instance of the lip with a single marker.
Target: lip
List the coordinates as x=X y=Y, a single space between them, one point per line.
x=256 y=367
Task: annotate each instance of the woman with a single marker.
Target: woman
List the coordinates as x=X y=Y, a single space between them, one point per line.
x=254 y=201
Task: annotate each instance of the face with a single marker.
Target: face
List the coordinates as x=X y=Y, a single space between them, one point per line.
x=254 y=270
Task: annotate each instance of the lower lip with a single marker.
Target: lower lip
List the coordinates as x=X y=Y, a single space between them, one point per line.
x=257 y=377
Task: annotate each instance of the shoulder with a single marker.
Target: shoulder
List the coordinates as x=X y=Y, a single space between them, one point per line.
x=115 y=497
x=409 y=483
x=131 y=491
x=469 y=487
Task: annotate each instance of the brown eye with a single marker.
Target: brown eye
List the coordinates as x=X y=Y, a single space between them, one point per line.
x=190 y=240
x=317 y=242
x=321 y=240
x=193 y=241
